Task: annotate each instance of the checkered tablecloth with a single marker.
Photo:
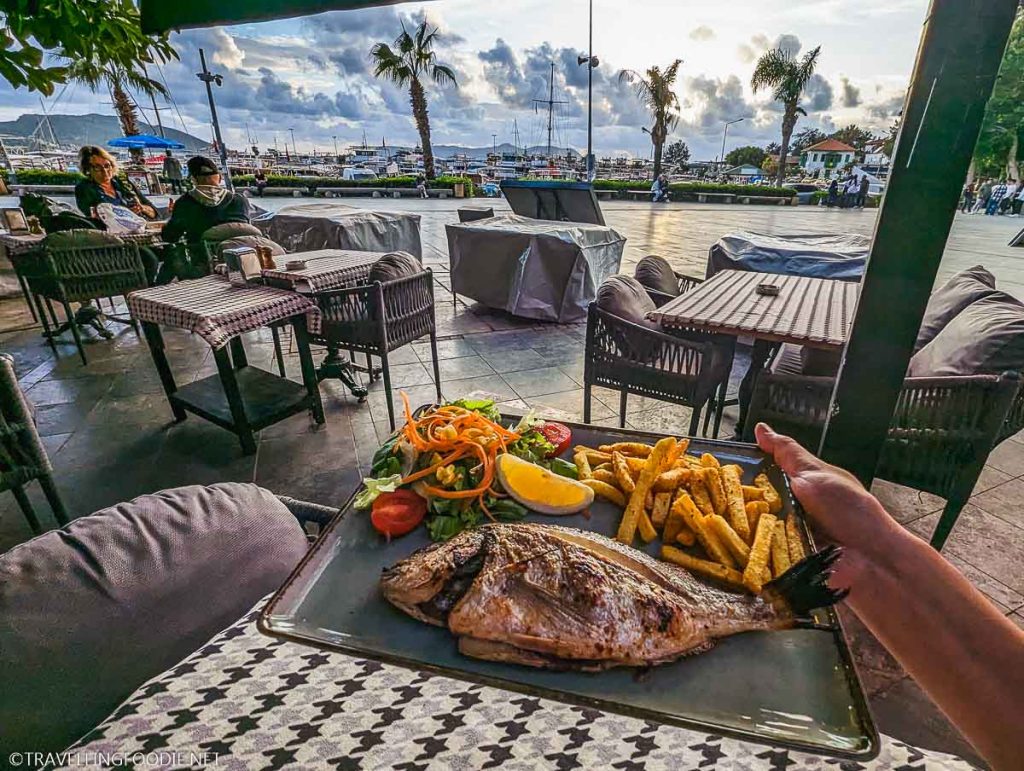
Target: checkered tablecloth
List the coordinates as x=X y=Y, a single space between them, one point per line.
x=259 y=703
x=216 y=310
x=325 y=269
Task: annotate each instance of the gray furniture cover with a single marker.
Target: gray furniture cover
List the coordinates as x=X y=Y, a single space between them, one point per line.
x=533 y=268
x=304 y=227
x=829 y=256
x=90 y=611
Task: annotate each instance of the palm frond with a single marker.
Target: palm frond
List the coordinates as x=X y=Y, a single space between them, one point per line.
x=641 y=87
x=771 y=69
x=671 y=72
x=443 y=75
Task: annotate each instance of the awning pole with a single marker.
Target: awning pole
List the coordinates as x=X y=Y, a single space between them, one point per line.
x=959 y=56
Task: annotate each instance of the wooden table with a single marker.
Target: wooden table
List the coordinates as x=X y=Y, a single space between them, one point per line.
x=815 y=312
x=240 y=398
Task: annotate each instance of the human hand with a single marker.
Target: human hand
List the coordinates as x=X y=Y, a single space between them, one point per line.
x=835 y=502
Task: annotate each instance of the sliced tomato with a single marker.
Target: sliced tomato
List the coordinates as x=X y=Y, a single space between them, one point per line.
x=558 y=434
x=397 y=513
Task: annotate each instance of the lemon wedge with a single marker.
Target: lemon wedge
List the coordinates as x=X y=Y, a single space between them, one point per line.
x=541 y=490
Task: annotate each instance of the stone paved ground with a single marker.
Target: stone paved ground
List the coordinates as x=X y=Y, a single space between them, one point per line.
x=108 y=429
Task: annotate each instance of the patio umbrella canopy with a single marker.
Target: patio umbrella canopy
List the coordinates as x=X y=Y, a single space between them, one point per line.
x=145 y=142
x=160 y=15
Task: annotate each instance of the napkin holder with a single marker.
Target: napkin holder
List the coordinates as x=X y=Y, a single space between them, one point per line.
x=243 y=265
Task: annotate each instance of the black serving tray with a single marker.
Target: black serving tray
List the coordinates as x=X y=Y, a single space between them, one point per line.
x=795 y=688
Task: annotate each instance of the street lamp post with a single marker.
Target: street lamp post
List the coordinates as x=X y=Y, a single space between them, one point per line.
x=335 y=149
x=208 y=77
x=294 y=148
x=725 y=133
x=592 y=62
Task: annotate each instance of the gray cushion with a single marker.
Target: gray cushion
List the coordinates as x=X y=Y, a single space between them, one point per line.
x=230 y=230
x=985 y=338
x=655 y=273
x=626 y=298
x=66 y=239
x=947 y=301
x=93 y=610
x=394 y=266
x=254 y=241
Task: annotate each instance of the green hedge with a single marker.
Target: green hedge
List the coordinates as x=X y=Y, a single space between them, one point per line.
x=44 y=177
x=692 y=188
x=327 y=183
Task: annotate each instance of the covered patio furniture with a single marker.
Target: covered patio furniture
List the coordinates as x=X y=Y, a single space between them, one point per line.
x=532 y=268
x=841 y=256
x=628 y=354
x=942 y=431
x=22 y=455
x=308 y=226
x=93 y=610
x=394 y=308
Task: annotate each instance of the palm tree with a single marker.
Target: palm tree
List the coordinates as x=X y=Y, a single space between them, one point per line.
x=779 y=70
x=656 y=94
x=406 y=62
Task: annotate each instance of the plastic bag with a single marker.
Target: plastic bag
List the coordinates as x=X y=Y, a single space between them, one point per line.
x=118 y=219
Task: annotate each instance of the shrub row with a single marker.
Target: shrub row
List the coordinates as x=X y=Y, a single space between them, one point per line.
x=692 y=188
x=873 y=201
x=44 y=177
x=325 y=183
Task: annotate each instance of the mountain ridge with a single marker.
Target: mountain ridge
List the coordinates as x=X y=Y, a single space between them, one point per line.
x=90 y=129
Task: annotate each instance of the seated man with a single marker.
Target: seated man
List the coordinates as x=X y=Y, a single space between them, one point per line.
x=206 y=205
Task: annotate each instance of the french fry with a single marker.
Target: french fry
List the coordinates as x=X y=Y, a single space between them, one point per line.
x=659 y=512
x=674 y=523
x=707 y=460
x=668 y=481
x=771 y=495
x=734 y=505
x=752 y=493
x=649 y=501
x=686 y=508
x=605 y=475
x=686 y=537
x=637 y=449
x=794 y=540
x=582 y=466
x=647 y=531
x=690 y=461
x=704 y=568
x=593 y=456
x=636 y=465
x=635 y=506
x=713 y=481
x=603 y=467
x=701 y=496
x=681 y=447
x=780 y=550
x=606 y=491
x=754 y=511
x=622 y=475
x=753 y=574
x=730 y=539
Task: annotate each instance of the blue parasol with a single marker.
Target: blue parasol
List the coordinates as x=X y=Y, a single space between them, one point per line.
x=145 y=142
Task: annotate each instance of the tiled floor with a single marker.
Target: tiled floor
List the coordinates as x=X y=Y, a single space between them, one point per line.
x=109 y=433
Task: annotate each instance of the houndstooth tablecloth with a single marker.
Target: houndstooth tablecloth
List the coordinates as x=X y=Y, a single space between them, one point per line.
x=325 y=269
x=216 y=310
x=254 y=702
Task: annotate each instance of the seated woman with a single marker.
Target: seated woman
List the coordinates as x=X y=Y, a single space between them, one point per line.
x=102 y=185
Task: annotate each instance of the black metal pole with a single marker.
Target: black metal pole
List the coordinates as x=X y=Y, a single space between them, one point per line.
x=959 y=55
x=207 y=77
x=590 y=99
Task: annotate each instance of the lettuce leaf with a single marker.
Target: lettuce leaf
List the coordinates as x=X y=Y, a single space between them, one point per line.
x=373 y=489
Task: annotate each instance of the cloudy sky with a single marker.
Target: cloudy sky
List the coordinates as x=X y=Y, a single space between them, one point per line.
x=312 y=74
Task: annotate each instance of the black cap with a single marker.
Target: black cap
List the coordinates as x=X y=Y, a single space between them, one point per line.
x=200 y=166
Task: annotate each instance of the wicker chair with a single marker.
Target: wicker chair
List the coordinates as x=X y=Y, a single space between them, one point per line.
x=942 y=430
x=22 y=456
x=656 y=289
x=378 y=318
x=81 y=274
x=633 y=359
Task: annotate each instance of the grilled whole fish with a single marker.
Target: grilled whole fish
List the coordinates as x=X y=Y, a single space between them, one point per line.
x=555 y=597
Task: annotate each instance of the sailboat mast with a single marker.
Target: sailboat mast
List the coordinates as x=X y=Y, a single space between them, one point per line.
x=551 y=107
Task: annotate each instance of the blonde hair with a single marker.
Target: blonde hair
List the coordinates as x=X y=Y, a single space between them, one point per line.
x=88 y=152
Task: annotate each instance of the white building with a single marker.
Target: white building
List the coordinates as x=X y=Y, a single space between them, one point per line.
x=828 y=157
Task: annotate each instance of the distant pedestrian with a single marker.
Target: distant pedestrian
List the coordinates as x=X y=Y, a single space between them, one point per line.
x=967 y=202
x=984 y=193
x=995 y=198
x=1008 y=197
x=421 y=185
x=172 y=171
x=260 y=178
x=833 y=194
x=862 y=192
x=1018 y=202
